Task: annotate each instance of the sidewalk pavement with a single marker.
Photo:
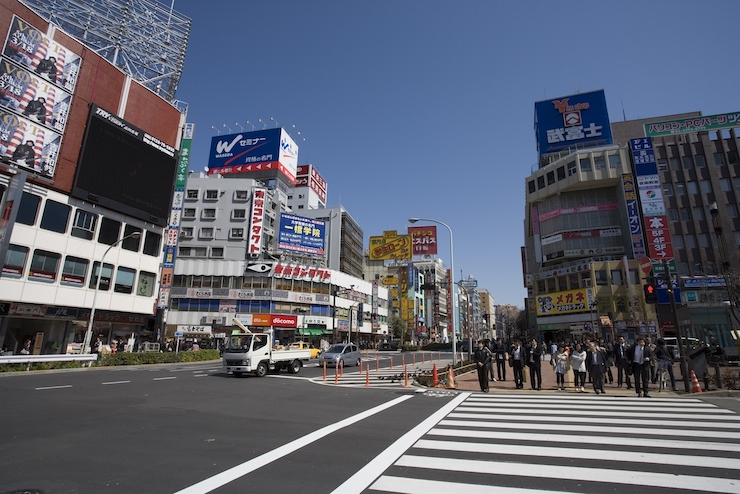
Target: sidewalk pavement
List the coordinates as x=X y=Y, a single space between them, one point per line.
x=469 y=382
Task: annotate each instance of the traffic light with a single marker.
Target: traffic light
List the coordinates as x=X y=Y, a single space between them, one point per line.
x=651 y=294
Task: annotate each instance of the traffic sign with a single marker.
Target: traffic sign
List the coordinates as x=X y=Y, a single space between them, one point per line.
x=646 y=265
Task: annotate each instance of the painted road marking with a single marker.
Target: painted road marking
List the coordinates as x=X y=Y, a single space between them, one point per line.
x=116 y=382
x=54 y=387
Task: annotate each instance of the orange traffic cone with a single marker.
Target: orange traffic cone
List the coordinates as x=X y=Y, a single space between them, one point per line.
x=435 y=377
x=695 y=388
x=451 y=380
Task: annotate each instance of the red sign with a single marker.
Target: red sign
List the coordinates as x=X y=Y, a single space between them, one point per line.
x=423 y=239
x=646 y=265
x=284 y=321
x=658 y=237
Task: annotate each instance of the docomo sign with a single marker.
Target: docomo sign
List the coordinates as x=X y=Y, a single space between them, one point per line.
x=266 y=320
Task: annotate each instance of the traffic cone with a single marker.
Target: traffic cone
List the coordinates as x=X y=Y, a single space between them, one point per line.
x=695 y=388
x=451 y=380
x=435 y=377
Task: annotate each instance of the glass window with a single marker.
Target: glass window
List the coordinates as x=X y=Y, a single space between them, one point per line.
x=571 y=168
x=241 y=195
x=674 y=163
x=236 y=233
x=687 y=162
x=680 y=189
x=104 y=278
x=732 y=157
x=724 y=184
x=540 y=182
x=124 y=280
x=55 y=217
x=616 y=277
x=599 y=163
x=692 y=187
x=601 y=279
x=212 y=194
x=186 y=232
x=145 y=288
x=109 y=231
x=690 y=241
x=736 y=236
x=152 y=243
x=667 y=190
x=206 y=233
x=713 y=135
x=192 y=193
x=673 y=214
x=531 y=186
x=240 y=214
x=74 y=271
x=736 y=183
x=699 y=160
x=28 y=209
x=719 y=159
x=662 y=165
x=614 y=161
x=561 y=173
x=732 y=211
x=550 y=178
x=683 y=268
x=685 y=214
x=200 y=251
x=15 y=261
x=585 y=164
x=131 y=243
x=698 y=213
x=217 y=252
x=84 y=224
x=703 y=240
x=188 y=213
x=209 y=213
x=44 y=266
x=634 y=277
x=705 y=186
x=677 y=241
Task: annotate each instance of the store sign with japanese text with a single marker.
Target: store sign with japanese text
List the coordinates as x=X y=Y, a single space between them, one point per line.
x=257 y=220
x=299 y=234
x=568 y=302
x=693 y=124
x=423 y=239
x=390 y=246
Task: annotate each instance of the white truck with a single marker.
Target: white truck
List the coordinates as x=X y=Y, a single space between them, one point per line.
x=254 y=353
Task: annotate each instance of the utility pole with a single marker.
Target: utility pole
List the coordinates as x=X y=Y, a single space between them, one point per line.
x=679 y=331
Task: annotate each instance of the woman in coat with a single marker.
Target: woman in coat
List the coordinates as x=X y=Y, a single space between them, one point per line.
x=578 y=362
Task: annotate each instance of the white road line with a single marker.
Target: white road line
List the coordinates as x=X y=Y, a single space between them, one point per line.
x=658 y=407
x=238 y=471
x=581 y=454
x=116 y=382
x=54 y=387
x=616 y=396
x=592 y=399
x=590 y=439
x=163 y=378
x=367 y=474
x=200 y=375
x=688 y=422
x=403 y=485
x=292 y=377
x=581 y=412
x=579 y=427
x=643 y=479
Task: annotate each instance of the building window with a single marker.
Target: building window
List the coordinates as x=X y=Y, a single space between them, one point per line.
x=211 y=195
x=44 y=266
x=200 y=252
x=192 y=194
x=585 y=164
x=236 y=233
x=690 y=241
x=550 y=178
x=599 y=163
x=677 y=241
x=634 y=277
x=673 y=215
x=674 y=163
x=561 y=173
x=104 y=277
x=110 y=231
x=713 y=135
x=699 y=160
x=724 y=184
x=692 y=187
x=615 y=161
x=571 y=168
x=186 y=232
x=540 y=182
x=703 y=240
x=300 y=206
x=145 y=288
x=685 y=214
x=206 y=233
x=152 y=244
x=705 y=186
x=732 y=157
x=189 y=213
x=239 y=214
x=184 y=251
x=131 y=243
x=124 y=280
x=74 y=271
x=680 y=189
x=601 y=279
x=698 y=213
x=241 y=195
x=736 y=183
x=683 y=268
x=209 y=213
x=531 y=186
x=667 y=190
x=719 y=159
x=736 y=236
x=15 y=261
x=616 y=275
x=687 y=162
x=84 y=224
x=732 y=211
x=55 y=217
x=662 y=165
x=217 y=252
x=29 y=209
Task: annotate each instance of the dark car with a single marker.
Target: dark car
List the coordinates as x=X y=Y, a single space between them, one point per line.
x=388 y=346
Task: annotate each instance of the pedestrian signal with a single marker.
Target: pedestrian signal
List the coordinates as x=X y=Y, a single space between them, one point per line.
x=651 y=294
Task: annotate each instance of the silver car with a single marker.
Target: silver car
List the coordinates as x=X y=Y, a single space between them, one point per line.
x=347 y=353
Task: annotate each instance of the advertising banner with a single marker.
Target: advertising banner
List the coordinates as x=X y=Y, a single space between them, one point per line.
x=308 y=176
x=298 y=272
x=582 y=209
x=571 y=122
x=633 y=216
x=30 y=48
x=693 y=124
x=259 y=150
x=423 y=239
x=390 y=246
x=300 y=234
x=567 y=302
x=257 y=217
x=28 y=143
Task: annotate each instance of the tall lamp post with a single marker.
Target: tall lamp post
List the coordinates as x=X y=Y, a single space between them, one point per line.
x=88 y=333
x=452 y=284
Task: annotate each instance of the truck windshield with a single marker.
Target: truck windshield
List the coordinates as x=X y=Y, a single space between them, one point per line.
x=238 y=343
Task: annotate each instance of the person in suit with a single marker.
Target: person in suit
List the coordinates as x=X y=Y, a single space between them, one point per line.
x=482 y=359
x=516 y=360
x=487 y=345
x=623 y=365
x=534 y=361
x=596 y=362
x=640 y=356
x=499 y=351
x=609 y=353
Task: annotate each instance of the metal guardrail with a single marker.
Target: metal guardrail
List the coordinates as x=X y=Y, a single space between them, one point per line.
x=61 y=357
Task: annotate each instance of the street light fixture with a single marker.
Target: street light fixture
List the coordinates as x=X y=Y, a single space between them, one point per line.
x=88 y=333
x=452 y=284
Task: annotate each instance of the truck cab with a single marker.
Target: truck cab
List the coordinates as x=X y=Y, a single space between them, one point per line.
x=253 y=352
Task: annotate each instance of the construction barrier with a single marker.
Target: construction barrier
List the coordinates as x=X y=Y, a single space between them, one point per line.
x=695 y=388
x=451 y=380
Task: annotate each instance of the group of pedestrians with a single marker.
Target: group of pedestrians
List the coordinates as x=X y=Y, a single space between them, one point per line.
x=592 y=360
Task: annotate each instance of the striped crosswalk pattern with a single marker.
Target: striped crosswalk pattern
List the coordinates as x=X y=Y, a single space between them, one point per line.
x=379 y=377
x=528 y=444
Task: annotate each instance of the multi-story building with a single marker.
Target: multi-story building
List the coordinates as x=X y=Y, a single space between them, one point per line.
x=88 y=166
x=488 y=313
x=345 y=239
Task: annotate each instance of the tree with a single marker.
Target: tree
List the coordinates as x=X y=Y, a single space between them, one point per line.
x=397 y=327
x=732 y=284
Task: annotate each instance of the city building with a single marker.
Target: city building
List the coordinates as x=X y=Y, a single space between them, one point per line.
x=345 y=239
x=488 y=313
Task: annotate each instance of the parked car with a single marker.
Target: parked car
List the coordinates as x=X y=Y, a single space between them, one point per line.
x=388 y=346
x=347 y=353
x=302 y=345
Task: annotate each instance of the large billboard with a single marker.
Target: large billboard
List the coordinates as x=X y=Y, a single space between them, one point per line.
x=567 y=302
x=693 y=124
x=259 y=150
x=125 y=169
x=300 y=234
x=423 y=239
x=571 y=122
x=390 y=246
x=257 y=221
x=308 y=176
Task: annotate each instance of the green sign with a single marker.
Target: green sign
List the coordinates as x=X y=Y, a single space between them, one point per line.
x=658 y=267
x=693 y=124
x=182 y=165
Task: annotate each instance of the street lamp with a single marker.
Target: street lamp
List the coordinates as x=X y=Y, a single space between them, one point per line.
x=88 y=333
x=452 y=285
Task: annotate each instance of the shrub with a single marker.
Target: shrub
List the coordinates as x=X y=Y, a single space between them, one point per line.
x=409 y=348
x=145 y=358
x=437 y=346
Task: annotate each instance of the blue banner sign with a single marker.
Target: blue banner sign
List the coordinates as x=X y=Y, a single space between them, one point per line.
x=301 y=234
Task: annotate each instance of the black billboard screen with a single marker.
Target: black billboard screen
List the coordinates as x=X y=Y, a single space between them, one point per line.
x=123 y=168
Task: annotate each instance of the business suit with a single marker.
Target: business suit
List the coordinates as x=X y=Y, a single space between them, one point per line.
x=620 y=358
x=516 y=359
x=499 y=351
x=534 y=361
x=596 y=362
x=640 y=356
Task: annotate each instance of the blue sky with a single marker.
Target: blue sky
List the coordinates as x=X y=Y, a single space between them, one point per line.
x=425 y=107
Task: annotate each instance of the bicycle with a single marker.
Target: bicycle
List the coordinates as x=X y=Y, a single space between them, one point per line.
x=662 y=374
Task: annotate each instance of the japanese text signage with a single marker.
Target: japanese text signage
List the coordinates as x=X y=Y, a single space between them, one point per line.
x=423 y=239
x=257 y=218
x=572 y=121
x=633 y=216
x=567 y=302
x=390 y=246
x=301 y=234
x=693 y=124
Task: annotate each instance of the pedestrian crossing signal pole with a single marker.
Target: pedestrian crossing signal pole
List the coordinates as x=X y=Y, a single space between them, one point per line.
x=679 y=331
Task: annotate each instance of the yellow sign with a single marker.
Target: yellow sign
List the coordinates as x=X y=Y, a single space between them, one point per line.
x=569 y=302
x=390 y=246
x=390 y=281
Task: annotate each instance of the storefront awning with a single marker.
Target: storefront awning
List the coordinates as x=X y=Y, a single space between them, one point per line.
x=313 y=332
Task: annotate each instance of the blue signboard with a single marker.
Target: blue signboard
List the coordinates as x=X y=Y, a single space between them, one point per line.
x=301 y=234
x=259 y=146
x=571 y=122
x=644 y=156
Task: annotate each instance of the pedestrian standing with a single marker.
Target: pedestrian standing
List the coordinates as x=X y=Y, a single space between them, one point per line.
x=578 y=362
x=487 y=346
x=596 y=361
x=624 y=367
x=516 y=361
x=640 y=356
x=499 y=351
x=608 y=349
x=561 y=366
x=482 y=359
x=534 y=352
x=665 y=361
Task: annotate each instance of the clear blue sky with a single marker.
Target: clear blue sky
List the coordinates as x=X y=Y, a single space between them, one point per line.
x=425 y=108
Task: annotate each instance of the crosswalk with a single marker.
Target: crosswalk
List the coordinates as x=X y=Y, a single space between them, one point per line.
x=537 y=444
x=378 y=377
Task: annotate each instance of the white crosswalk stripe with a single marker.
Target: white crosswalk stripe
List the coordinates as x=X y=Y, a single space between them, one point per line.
x=383 y=377
x=537 y=444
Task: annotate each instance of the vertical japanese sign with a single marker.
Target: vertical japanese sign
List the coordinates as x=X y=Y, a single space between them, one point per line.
x=633 y=216
x=257 y=221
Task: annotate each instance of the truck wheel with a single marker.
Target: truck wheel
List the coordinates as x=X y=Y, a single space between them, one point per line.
x=237 y=374
x=261 y=370
x=294 y=367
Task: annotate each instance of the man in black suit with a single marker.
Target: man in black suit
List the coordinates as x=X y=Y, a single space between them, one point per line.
x=534 y=361
x=596 y=362
x=623 y=365
x=517 y=354
x=640 y=356
x=499 y=352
